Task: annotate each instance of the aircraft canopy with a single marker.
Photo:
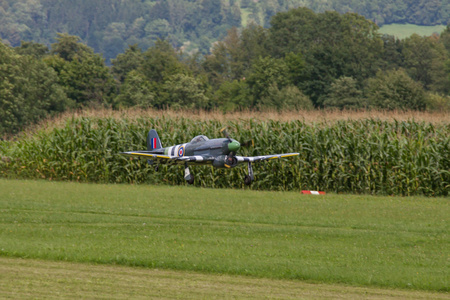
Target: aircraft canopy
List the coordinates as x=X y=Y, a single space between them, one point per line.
x=199 y=138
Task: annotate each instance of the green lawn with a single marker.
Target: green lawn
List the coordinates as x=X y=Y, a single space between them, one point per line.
x=357 y=240
x=40 y=279
x=402 y=31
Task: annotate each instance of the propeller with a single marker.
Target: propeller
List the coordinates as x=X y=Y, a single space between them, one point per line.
x=248 y=143
x=233 y=145
x=225 y=133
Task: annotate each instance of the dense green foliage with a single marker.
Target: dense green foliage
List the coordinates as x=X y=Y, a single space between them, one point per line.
x=29 y=91
x=109 y=26
x=392 y=242
x=370 y=156
x=304 y=60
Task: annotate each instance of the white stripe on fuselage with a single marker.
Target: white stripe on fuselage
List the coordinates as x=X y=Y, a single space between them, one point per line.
x=175 y=149
x=169 y=152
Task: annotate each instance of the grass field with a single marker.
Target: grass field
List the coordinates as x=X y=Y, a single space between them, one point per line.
x=402 y=31
x=335 y=239
x=27 y=278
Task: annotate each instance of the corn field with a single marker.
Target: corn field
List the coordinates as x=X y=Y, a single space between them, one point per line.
x=367 y=156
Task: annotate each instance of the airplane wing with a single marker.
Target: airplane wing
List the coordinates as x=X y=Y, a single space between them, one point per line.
x=242 y=159
x=148 y=155
x=197 y=159
x=167 y=159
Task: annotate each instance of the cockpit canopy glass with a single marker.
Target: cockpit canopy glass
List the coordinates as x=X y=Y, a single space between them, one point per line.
x=199 y=138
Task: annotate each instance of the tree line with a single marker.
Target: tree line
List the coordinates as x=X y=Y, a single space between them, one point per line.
x=109 y=26
x=304 y=60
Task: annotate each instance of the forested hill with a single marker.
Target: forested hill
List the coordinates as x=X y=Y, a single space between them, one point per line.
x=303 y=60
x=109 y=26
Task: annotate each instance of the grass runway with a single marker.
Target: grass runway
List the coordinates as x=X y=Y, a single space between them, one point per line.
x=385 y=242
x=27 y=278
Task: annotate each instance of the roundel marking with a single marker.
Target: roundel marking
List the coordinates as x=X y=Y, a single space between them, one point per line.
x=181 y=151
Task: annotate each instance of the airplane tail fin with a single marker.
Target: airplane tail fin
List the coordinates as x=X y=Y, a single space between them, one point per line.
x=153 y=141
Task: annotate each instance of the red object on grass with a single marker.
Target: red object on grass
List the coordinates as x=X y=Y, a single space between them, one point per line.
x=313 y=192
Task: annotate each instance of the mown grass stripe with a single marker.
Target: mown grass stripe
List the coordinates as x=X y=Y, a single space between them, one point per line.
x=35 y=278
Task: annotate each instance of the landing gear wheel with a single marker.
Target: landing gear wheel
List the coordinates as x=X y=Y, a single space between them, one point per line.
x=191 y=181
x=247 y=180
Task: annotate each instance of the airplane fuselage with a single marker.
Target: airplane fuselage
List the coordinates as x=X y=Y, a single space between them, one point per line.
x=201 y=147
x=214 y=147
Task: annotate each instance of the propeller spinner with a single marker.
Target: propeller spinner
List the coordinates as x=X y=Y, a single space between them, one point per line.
x=233 y=147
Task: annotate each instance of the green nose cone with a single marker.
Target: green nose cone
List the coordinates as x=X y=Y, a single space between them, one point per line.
x=234 y=146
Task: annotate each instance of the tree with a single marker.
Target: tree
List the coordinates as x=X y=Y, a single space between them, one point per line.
x=255 y=43
x=158 y=78
x=436 y=102
x=82 y=73
x=114 y=39
x=29 y=91
x=445 y=38
x=447 y=68
x=395 y=90
x=392 y=56
x=135 y=91
x=233 y=95
x=232 y=57
x=184 y=91
x=296 y=68
x=344 y=93
x=137 y=29
x=88 y=81
x=160 y=62
x=68 y=47
x=158 y=29
x=332 y=46
x=423 y=57
x=132 y=59
x=34 y=49
x=286 y=98
x=267 y=72
x=226 y=61
x=293 y=31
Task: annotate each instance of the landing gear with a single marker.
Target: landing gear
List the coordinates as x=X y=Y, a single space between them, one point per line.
x=187 y=174
x=249 y=178
x=231 y=161
x=152 y=163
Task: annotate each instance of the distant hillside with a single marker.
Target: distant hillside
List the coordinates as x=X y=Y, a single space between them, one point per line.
x=109 y=26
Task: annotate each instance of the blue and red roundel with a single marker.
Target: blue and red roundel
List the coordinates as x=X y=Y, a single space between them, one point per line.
x=181 y=151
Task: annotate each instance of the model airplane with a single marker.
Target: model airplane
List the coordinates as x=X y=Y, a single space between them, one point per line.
x=220 y=153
